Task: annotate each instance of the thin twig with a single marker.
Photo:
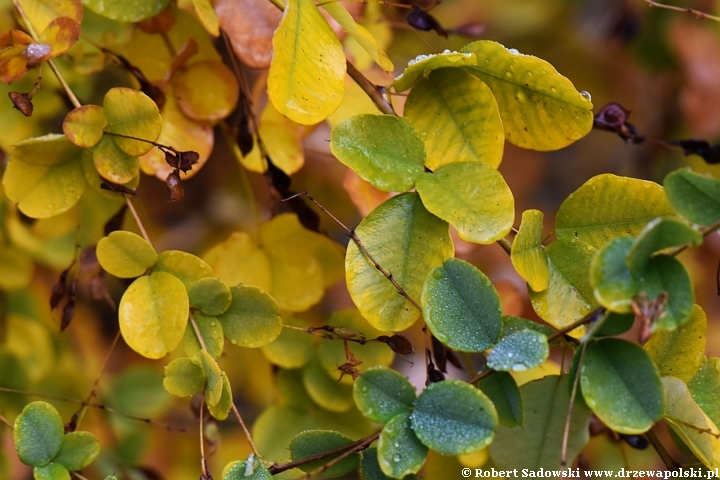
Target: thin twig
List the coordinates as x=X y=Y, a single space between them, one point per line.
x=78 y=476
x=245 y=430
x=506 y=244
x=696 y=13
x=669 y=462
x=568 y=418
x=203 y=460
x=197 y=334
x=137 y=219
x=589 y=317
x=6 y=422
x=370 y=89
x=277 y=468
x=353 y=236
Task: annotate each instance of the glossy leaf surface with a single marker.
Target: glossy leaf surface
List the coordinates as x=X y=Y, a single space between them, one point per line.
x=210 y=330
x=210 y=296
x=125 y=254
x=658 y=235
x=47 y=150
x=399 y=451
x=705 y=388
x=522 y=350
x=112 y=163
x=461 y=307
x=381 y=394
x=679 y=352
x=528 y=255
x=184 y=266
x=422 y=64
x=694 y=196
x=51 y=471
x=239 y=471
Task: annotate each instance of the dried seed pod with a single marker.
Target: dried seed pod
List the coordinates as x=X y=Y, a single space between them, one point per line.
x=421 y=20
x=22 y=102
x=186 y=160
x=59 y=289
x=174 y=184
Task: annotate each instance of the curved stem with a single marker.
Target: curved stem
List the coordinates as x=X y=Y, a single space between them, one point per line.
x=137 y=219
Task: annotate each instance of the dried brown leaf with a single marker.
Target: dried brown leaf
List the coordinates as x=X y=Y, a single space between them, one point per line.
x=250 y=25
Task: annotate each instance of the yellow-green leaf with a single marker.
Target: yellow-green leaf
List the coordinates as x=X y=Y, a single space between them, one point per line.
x=113 y=163
x=679 y=353
x=125 y=254
x=41 y=12
x=185 y=266
x=253 y=318
x=306 y=82
x=153 y=314
x=472 y=197
x=206 y=90
x=325 y=390
x=211 y=332
x=84 y=126
x=16 y=267
x=465 y=107
x=359 y=34
x=540 y=108
x=124 y=11
x=184 y=377
x=422 y=64
x=221 y=410
x=292 y=348
x=528 y=255
x=44 y=191
x=47 y=150
x=207 y=16
x=608 y=206
x=687 y=419
x=61 y=34
x=79 y=449
x=407 y=241
x=213 y=374
x=134 y=114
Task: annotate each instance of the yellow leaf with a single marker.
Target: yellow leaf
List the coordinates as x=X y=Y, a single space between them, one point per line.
x=207 y=16
x=206 y=90
x=61 y=35
x=306 y=82
x=41 y=13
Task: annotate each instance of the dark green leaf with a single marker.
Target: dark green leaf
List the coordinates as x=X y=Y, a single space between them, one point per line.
x=519 y=351
x=504 y=393
x=694 y=196
x=381 y=394
x=313 y=442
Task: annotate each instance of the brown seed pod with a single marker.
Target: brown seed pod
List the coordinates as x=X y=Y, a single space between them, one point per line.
x=174 y=184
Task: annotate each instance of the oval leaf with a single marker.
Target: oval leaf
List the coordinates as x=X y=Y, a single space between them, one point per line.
x=84 y=126
x=540 y=108
x=125 y=254
x=454 y=418
x=184 y=377
x=134 y=114
x=306 y=81
x=153 y=314
x=382 y=393
x=242 y=471
x=679 y=352
x=38 y=434
x=124 y=11
x=519 y=351
x=705 y=388
x=325 y=390
x=399 y=451
x=422 y=64
x=694 y=196
x=47 y=150
x=621 y=385
x=79 y=449
x=221 y=410
x=687 y=420
x=112 y=163
x=385 y=150
x=211 y=332
x=407 y=241
x=312 y=442
x=291 y=349
x=528 y=255
x=206 y=90
x=660 y=234
x=615 y=285
x=253 y=318
x=210 y=296
x=471 y=197
x=472 y=130
x=186 y=267
x=503 y=392
x=51 y=471
x=461 y=307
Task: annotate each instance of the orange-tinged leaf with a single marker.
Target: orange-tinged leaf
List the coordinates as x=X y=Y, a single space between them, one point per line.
x=306 y=81
x=61 y=35
x=183 y=134
x=250 y=25
x=112 y=163
x=84 y=126
x=207 y=90
x=41 y=13
x=13 y=62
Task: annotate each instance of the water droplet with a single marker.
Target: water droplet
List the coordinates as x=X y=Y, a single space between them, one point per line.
x=396 y=458
x=520 y=97
x=586 y=95
x=233 y=341
x=514 y=51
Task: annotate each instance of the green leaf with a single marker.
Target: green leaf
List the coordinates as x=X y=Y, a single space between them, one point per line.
x=124 y=11
x=687 y=420
x=608 y=206
x=186 y=267
x=312 y=442
x=132 y=113
x=221 y=410
x=242 y=471
x=306 y=81
x=461 y=307
x=332 y=354
x=705 y=388
x=112 y=163
x=84 y=125
x=503 y=392
x=658 y=235
x=519 y=351
x=211 y=332
x=540 y=108
x=569 y=295
x=370 y=467
x=385 y=150
x=615 y=324
x=138 y=391
x=44 y=191
x=399 y=451
x=184 y=377
x=538 y=444
x=407 y=241
x=471 y=197
x=125 y=254
x=291 y=349
x=325 y=390
x=621 y=385
x=513 y=324
x=667 y=274
x=471 y=127
x=213 y=374
x=153 y=314
x=694 y=196
x=528 y=255
x=679 y=352
x=50 y=149
x=51 y=471
x=38 y=434
x=253 y=318
x=210 y=296
x=615 y=285
x=454 y=418
x=381 y=394
x=79 y=449
x=359 y=34
x=422 y=64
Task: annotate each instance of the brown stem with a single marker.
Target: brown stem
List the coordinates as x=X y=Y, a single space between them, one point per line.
x=245 y=430
x=589 y=317
x=137 y=219
x=6 y=422
x=351 y=448
x=341 y=457
x=506 y=244
x=197 y=334
x=370 y=89
x=203 y=460
x=669 y=462
x=568 y=418
x=353 y=236
x=697 y=13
